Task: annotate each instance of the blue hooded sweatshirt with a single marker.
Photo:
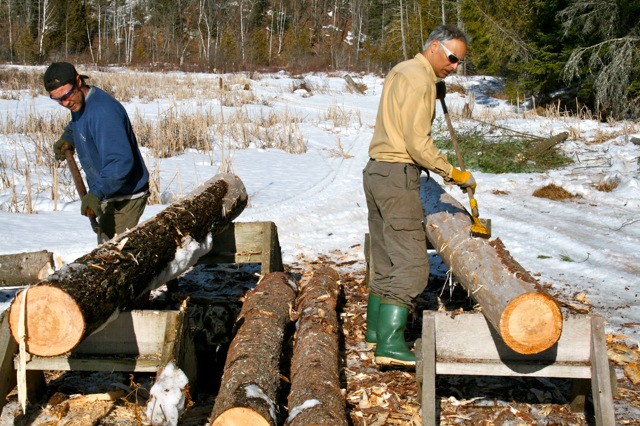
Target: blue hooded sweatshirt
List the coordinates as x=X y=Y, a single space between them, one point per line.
x=107 y=148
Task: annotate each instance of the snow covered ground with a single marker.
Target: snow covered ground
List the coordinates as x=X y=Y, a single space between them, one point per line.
x=586 y=248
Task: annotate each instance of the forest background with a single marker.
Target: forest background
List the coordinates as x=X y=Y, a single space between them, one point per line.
x=576 y=53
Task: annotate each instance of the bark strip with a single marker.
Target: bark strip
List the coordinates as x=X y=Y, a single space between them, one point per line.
x=528 y=319
x=315 y=396
x=83 y=295
x=251 y=378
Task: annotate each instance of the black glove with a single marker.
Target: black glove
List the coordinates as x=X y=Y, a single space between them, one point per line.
x=441 y=89
x=58 y=152
x=90 y=202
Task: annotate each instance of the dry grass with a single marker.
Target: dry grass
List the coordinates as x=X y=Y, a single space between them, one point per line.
x=174 y=132
x=340 y=117
x=608 y=185
x=14 y=82
x=207 y=115
x=554 y=192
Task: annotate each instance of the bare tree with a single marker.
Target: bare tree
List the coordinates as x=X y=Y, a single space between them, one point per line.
x=404 y=38
x=46 y=18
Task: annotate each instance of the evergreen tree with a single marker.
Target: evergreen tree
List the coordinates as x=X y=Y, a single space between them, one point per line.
x=606 y=64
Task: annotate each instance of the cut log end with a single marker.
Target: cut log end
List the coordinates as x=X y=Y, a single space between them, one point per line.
x=54 y=322
x=238 y=416
x=531 y=323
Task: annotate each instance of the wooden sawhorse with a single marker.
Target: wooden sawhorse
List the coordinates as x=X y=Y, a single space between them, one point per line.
x=136 y=341
x=468 y=345
x=247 y=242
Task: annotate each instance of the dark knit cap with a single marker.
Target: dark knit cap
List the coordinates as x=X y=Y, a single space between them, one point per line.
x=58 y=74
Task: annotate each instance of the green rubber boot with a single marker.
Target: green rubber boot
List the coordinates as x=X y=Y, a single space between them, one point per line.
x=373 y=307
x=391 y=349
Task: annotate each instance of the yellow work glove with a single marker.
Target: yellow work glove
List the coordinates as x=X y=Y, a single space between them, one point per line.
x=463 y=179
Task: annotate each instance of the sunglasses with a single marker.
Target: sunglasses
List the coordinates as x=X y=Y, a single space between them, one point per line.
x=450 y=56
x=65 y=96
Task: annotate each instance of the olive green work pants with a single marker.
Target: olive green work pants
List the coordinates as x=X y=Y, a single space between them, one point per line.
x=396 y=231
x=118 y=216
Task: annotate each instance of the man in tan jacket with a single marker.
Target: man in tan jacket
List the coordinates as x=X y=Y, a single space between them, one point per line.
x=401 y=146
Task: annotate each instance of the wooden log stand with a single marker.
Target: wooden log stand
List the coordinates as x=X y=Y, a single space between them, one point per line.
x=468 y=345
x=247 y=242
x=139 y=341
x=143 y=341
x=528 y=319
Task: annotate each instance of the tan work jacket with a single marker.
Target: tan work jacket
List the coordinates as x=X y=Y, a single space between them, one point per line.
x=402 y=132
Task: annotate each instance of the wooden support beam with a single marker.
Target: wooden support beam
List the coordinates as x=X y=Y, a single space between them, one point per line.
x=528 y=319
x=247 y=242
x=8 y=348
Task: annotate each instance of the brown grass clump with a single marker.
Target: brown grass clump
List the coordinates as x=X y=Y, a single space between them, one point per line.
x=607 y=186
x=553 y=192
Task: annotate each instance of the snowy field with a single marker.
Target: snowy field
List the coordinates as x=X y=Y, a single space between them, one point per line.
x=586 y=248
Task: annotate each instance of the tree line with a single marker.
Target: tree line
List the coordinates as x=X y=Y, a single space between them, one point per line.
x=578 y=52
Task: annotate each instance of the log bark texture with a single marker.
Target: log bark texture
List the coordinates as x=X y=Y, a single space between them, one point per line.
x=528 y=319
x=82 y=296
x=315 y=396
x=251 y=379
x=25 y=268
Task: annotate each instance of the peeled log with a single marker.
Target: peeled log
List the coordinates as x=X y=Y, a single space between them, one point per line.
x=25 y=268
x=315 y=396
x=77 y=300
x=251 y=379
x=528 y=319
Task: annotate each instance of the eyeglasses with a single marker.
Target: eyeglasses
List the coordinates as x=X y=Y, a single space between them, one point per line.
x=450 y=56
x=65 y=96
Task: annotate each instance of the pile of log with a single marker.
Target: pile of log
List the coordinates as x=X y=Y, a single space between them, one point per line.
x=528 y=319
x=80 y=298
x=252 y=379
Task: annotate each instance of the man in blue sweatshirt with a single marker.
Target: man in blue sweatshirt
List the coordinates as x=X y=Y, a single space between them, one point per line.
x=101 y=133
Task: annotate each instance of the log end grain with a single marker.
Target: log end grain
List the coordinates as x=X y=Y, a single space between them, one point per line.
x=531 y=323
x=54 y=322
x=240 y=416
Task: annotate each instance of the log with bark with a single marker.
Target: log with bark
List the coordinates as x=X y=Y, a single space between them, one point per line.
x=528 y=319
x=77 y=300
x=25 y=268
x=541 y=145
x=251 y=379
x=353 y=86
x=315 y=396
